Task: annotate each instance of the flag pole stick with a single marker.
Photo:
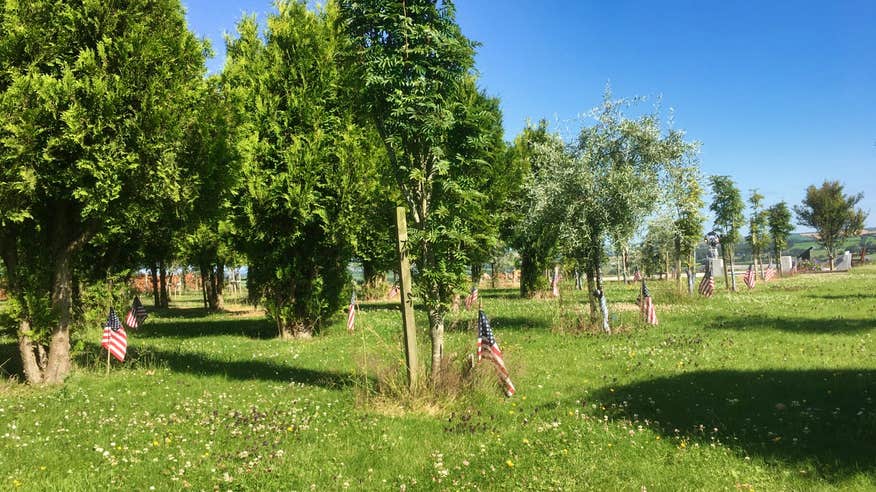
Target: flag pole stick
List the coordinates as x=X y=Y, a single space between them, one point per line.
x=107 y=361
x=110 y=289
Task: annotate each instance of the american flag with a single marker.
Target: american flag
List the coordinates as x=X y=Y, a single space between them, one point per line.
x=637 y=277
x=750 y=278
x=707 y=284
x=136 y=315
x=115 y=340
x=488 y=347
x=392 y=291
x=649 y=314
x=472 y=298
x=351 y=316
x=769 y=274
x=555 y=282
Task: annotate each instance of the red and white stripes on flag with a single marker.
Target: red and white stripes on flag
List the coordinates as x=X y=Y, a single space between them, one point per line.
x=649 y=314
x=393 y=291
x=472 y=298
x=351 y=316
x=488 y=347
x=769 y=274
x=115 y=340
x=637 y=277
x=136 y=315
x=750 y=278
x=707 y=284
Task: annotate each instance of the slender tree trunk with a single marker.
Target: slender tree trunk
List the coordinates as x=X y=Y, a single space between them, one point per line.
x=493 y=274
x=732 y=271
x=204 y=276
x=162 y=285
x=625 y=256
x=436 y=332
x=477 y=271
x=156 y=295
x=32 y=354
x=726 y=264
x=219 y=301
x=603 y=302
x=591 y=295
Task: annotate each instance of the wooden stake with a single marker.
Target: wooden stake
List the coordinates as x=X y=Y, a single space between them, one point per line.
x=407 y=303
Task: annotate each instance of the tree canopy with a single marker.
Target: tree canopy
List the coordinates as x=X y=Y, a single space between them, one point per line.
x=832 y=214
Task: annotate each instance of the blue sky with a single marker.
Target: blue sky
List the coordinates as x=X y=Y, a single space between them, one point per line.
x=781 y=94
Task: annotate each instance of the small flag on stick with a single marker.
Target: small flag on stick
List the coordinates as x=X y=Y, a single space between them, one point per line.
x=115 y=340
x=649 y=314
x=707 y=284
x=488 y=347
x=136 y=315
x=750 y=278
x=769 y=274
x=351 y=316
x=472 y=298
x=393 y=291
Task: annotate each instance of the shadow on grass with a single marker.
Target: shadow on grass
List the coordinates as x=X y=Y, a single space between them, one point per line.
x=10 y=360
x=853 y=296
x=242 y=370
x=794 y=325
x=258 y=328
x=823 y=417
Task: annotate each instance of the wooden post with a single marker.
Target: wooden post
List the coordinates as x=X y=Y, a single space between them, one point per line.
x=407 y=303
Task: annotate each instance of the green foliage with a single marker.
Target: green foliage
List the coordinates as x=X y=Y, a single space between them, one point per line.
x=93 y=96
x=685 y=196
x=302 y=156
x=780 y=227
x=832 y=214
x=526 y=228
x=757 y=224
x=728 y=208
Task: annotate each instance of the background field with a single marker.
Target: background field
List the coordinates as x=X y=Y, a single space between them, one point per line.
x=769 y=389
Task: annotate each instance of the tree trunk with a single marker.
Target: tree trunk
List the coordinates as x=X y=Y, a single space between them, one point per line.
x=531 y=279
x=294 y=330
x=732 y=272
x=603 y=303
x=156 y=296
x=494 y=279
x=162 y=285
x=591 y=295
x=218 y=288
x=477 y=270
x=204 y=275
x=726 y=264
x=59 y=365
x=436 y=332
x=625 y=257
x=32 y=355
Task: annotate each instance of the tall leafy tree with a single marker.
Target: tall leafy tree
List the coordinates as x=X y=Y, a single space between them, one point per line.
x=301 y=156
x=832 y=214
x=526 y=231
x=685 y=194
x=780 y=227
x=757 y=225
x=413 y=65
x=91 y=95
x=728 y=207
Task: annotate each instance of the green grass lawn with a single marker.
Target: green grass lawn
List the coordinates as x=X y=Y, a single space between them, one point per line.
x=769 y=389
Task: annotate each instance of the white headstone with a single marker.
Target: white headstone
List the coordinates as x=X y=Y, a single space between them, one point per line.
x=717 y=267
x=843 y=263
x=786 y=263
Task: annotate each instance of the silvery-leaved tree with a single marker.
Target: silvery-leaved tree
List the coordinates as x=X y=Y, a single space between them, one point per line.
x=757 y=224
x=727 y=205
x=92 y=97
x=413 y=68
x=302 y=161
x=604 y=187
